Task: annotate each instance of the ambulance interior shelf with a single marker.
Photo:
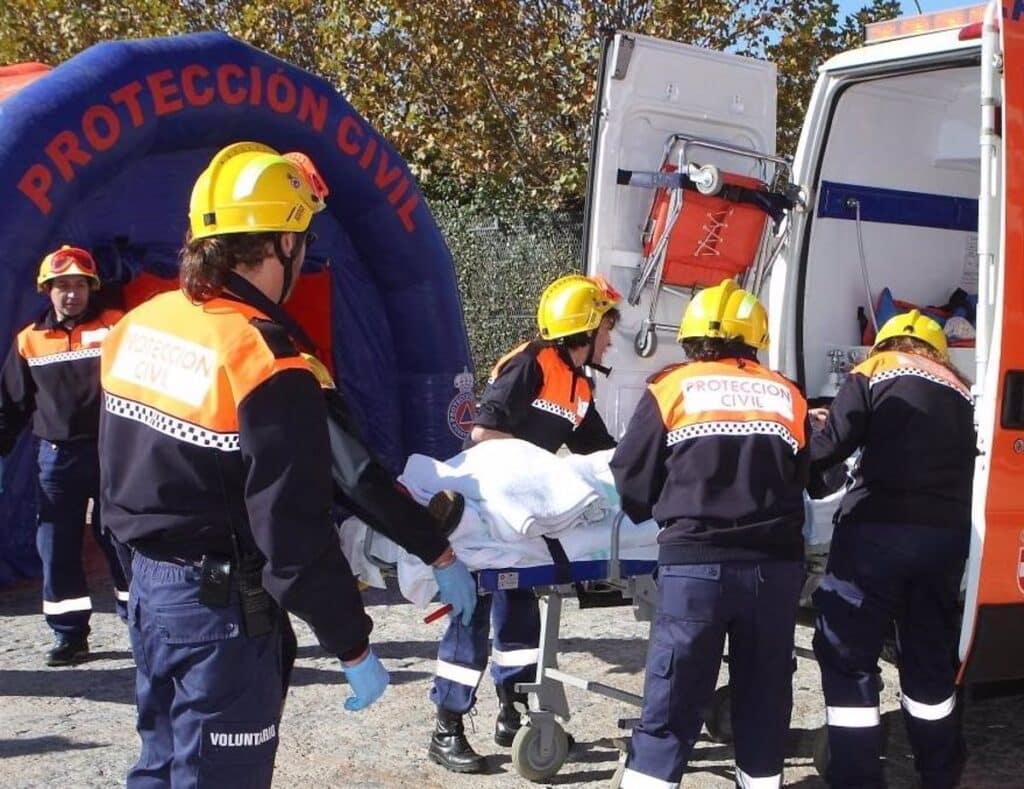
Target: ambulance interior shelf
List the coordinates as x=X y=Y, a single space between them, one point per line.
x=706 y=225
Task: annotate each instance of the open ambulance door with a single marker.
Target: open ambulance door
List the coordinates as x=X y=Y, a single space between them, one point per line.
x=656 y=100
x=992 y=636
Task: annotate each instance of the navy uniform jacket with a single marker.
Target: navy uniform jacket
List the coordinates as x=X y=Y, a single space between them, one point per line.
x=914 y=420
x=51 y=377
x=536 y=394
x=716 y=453
x=212 y=420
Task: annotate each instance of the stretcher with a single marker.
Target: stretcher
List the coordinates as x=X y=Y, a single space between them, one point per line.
x=706 y=224
x=541 y=746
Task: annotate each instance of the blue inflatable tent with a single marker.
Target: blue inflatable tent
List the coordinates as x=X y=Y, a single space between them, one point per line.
x=101 y=152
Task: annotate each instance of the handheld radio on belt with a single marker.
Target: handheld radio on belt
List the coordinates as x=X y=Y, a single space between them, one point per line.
x=259 y=610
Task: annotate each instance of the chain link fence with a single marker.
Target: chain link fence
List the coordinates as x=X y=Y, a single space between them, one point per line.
x=503 y=262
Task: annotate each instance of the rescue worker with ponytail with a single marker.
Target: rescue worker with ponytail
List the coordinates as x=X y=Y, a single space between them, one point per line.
x=716 y=452
x=540 y=393
x=51 y=378
x=212 y=446
x=898 y=551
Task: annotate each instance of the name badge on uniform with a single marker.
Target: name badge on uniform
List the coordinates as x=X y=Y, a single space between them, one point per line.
x=94 y=336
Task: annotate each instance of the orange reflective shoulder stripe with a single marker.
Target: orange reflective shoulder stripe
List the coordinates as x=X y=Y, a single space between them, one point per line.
x=496 y=370
x=251 y=362
x=556 y=394
x=893 y=364
x=721 y=398
x=171 y=359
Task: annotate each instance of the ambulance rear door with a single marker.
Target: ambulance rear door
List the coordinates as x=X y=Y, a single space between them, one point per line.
x=992 y=637
x=649 y=90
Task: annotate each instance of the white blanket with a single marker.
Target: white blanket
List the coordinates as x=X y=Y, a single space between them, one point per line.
x=523 y=490
x=565 y=491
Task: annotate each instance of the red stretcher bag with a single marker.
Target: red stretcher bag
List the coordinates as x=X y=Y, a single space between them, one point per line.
x=713 y=238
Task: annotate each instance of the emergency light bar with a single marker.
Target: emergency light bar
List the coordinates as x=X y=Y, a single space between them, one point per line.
x=923 y=23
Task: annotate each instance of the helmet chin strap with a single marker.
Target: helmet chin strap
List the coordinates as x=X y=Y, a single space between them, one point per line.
x=286 y=263
x=590 y=356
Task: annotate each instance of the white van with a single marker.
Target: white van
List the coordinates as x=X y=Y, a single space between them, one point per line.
x=902 y=179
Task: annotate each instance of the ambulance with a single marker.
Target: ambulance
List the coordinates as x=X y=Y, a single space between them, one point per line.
x=904 y=190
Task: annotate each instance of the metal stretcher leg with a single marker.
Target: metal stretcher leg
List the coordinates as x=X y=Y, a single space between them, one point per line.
x=542 y=746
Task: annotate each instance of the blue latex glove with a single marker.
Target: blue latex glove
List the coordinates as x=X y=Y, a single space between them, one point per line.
x=368 y=679
x=457 y=587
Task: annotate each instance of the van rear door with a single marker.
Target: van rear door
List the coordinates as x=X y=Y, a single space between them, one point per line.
x=648 y=90
x=992 y=637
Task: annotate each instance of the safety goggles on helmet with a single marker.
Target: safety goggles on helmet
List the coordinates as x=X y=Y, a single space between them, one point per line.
x=574 y=304
x=316 y=182
x=65 y=262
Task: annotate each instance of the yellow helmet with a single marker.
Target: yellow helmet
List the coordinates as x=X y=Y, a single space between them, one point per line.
x=726 y=312
x=68 y=261
x=251 y=188
x=914 y=324
x=574 y=304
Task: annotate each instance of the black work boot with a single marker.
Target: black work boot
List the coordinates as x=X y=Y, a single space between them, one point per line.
x=510 y=718
x=68 y=650
x=450 y=748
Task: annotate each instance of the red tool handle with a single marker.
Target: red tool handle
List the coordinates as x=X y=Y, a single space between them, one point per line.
x=433 y=617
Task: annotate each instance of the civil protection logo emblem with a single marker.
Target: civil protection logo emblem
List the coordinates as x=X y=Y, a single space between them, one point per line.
x=462 y=408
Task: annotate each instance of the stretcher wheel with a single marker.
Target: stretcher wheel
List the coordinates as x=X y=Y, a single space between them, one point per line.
x=708 y=179
x=820 y=752
x=532 y=759
x=719 y=720
x=646 y=342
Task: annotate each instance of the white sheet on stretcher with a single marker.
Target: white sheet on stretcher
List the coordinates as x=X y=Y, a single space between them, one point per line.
x=490 y=534
x=571 y=498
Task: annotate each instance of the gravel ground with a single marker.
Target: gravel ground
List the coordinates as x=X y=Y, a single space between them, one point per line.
x=74 y=727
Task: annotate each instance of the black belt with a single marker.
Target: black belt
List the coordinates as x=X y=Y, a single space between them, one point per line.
x=170 y=555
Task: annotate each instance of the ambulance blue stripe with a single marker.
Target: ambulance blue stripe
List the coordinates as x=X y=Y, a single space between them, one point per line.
x=898 y=207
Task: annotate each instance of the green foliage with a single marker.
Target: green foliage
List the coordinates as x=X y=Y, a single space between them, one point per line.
x=490 y=101
x=503 y=261
x=483 y=97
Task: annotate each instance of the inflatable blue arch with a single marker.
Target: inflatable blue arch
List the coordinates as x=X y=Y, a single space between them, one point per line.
x=101 y=152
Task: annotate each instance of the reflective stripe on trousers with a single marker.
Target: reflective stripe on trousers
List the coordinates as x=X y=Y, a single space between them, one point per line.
x=884 y=579
x=68 y=479
x=463 y=651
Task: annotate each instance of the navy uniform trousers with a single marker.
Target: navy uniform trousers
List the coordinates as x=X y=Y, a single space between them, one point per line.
x=209 y=697
x=462 y=653
x=69 y=475
x=755 y=605
x=879 y=575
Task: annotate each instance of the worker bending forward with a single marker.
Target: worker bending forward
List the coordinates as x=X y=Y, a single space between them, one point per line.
x=898 y=551
x=539 y=393
x=716 y=452
x=216 y=468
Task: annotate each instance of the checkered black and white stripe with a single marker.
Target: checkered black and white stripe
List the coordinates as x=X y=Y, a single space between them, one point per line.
x=67 y=356
x=888 y=375
x=171 y=426
x=557 y=410
x=754 y=428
